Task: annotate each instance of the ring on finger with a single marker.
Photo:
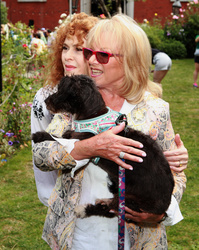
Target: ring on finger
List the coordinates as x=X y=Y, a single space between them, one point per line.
x=180 y=163
x=121 y=155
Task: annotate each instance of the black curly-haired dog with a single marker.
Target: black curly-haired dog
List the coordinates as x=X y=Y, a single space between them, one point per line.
x=148 y=187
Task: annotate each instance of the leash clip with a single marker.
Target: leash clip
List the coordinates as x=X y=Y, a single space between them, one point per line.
x=122 y=118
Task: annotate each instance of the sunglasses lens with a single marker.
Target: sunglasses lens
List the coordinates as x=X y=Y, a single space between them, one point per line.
x=102 y=57
x=87 y=53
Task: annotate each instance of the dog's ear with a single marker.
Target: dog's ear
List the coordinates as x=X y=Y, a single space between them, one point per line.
x=60 y=101
x=92 y=100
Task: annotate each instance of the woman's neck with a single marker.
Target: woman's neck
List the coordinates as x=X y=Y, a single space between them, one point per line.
x=113 y=101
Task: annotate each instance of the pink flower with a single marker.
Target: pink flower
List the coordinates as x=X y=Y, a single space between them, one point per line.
x=25 y=45
x=102 y=16
x=195 y=1
x=182 y=16
x=175 y=17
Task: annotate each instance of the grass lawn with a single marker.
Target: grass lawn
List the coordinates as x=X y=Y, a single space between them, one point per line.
x=184 y=108
x=22 y=215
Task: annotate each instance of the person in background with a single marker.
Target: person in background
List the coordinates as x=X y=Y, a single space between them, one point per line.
x=37 y=46
x=111 y=45
x=196 y=60
x=5 y=30
x=42 y=36
x=50 y=38
x=162 y=64
x=65 y=58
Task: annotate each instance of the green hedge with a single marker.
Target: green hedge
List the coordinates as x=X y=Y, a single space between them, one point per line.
x=175 y=49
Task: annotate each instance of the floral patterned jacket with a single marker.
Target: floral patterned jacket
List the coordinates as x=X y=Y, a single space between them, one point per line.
x=150 y=116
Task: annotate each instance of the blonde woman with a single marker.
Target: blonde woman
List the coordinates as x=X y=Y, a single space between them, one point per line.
x=119 y=58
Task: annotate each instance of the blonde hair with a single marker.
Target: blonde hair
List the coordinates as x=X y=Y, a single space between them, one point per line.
x=79 y=26
x=132 y=42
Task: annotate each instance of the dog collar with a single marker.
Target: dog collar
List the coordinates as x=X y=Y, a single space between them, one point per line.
x=98 y=124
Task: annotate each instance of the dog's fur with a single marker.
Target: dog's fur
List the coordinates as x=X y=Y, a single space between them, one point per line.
x=148 y=187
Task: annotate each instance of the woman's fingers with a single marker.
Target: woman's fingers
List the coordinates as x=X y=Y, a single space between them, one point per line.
x=119 y=128
x=178 y=158
x=178 y=169
x=142 y=216
x=178 y=162
x=109 y=145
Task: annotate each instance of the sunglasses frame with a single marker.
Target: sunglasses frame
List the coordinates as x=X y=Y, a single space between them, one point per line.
x=95 y=53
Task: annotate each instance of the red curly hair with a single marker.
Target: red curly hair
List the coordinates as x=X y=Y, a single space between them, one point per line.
x=79 y=26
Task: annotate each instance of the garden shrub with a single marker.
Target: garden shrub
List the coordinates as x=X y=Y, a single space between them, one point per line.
x=175 y=49
x=155 y=34
x=22 y=77
x=184 y=27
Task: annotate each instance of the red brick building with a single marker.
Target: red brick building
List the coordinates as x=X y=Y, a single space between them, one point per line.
x=46 y=13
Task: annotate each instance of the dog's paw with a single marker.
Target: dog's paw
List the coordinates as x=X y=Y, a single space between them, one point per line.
x=80 y=211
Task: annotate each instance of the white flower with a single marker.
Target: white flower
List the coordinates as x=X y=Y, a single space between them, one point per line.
x=63 y=15
x=60 y=21
x=69 y=17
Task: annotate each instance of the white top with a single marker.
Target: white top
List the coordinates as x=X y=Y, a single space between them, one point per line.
x=40 y=119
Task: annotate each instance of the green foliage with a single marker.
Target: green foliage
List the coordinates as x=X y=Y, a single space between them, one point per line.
x=155 y=34
x=181 y=28
x=4 y=14
x=175 y=49
x=22 y=77
x=184 y=27
x=17 y=43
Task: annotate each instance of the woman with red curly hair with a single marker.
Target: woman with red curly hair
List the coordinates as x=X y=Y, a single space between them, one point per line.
x=65 y=58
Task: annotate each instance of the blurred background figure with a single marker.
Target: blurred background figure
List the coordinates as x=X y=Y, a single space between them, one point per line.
x=50 y=37
x=42 y=36
x=196 y=60
x=162 y=64
x=37 y=46
x=5 y=30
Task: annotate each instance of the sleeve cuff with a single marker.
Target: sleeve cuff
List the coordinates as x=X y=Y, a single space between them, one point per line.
x=173 y=213
x=69 y=144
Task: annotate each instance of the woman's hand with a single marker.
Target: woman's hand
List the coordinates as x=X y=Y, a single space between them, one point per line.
x=142 y=217
x=177 y=158
x=109 y=145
